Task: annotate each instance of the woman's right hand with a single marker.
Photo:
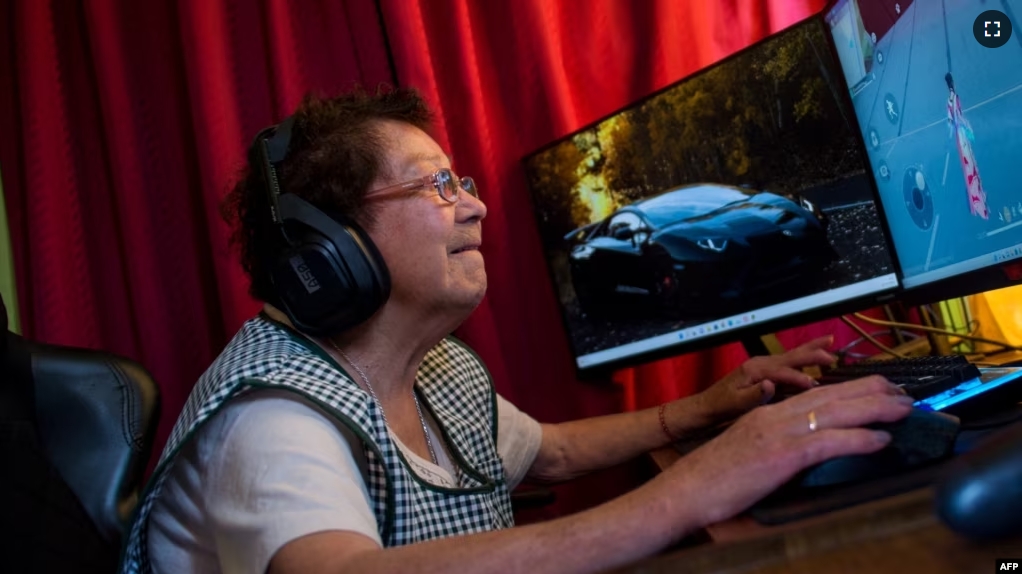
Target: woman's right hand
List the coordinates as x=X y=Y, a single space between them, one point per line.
x=769 y=445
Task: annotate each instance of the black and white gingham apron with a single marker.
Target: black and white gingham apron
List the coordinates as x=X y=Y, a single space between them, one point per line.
x=453 y=384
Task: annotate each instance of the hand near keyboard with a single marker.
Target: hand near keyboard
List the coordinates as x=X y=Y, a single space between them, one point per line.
x=771 y=444
x=757 y=380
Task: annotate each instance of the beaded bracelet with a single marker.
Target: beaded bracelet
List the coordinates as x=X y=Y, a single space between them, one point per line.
x=663 y=424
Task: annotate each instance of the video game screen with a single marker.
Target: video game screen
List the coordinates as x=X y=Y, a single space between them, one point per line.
x=937 y=89
x=736 y=196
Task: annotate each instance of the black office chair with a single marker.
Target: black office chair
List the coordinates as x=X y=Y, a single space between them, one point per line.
x=76 y=432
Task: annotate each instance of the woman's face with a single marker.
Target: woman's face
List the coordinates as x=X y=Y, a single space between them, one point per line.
x=431 y=246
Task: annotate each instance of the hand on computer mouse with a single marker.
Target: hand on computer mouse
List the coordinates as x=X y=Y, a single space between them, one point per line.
x=769 y=445
x=757 y=379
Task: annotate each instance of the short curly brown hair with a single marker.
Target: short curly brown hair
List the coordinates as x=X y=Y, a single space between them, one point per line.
x=335 y=154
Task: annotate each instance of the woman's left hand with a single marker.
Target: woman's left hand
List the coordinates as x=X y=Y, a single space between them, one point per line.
x=756 y=381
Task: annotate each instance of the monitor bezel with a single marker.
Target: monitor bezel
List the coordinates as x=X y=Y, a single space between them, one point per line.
x=754 y=330
x=990 y=278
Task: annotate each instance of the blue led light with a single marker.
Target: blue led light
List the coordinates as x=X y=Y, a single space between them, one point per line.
x=965 y=391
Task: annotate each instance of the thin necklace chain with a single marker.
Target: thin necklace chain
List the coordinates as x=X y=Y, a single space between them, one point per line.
x=418 y=409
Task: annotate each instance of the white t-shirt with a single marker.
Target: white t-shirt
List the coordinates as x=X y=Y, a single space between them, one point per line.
x=245 y=486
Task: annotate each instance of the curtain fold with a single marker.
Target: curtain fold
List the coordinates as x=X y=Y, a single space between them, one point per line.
x=125 y=124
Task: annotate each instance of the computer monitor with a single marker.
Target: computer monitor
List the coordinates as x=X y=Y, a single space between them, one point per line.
x=940 y=111
x=733 y=202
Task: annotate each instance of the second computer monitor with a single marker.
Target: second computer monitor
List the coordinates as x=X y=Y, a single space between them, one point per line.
x=937 y=88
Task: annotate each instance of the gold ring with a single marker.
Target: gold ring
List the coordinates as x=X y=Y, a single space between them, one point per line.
x=812 y=421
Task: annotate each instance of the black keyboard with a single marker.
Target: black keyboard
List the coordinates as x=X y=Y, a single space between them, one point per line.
x=921 y=377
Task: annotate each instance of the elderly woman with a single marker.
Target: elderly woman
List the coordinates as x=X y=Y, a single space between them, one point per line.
x=344 y=430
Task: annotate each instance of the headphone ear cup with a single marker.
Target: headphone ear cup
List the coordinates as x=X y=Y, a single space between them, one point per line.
x=331 y=276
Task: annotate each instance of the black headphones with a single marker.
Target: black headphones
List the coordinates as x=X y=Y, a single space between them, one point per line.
x=328 y=275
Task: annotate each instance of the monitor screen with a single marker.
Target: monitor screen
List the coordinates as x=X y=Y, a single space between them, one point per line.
x=734 y=198
x=940 y=110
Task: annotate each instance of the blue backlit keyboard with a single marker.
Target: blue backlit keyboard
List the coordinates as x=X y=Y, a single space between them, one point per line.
x=945 y=383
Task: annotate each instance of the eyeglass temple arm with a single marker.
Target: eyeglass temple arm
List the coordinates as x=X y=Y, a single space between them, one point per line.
x=406 y=186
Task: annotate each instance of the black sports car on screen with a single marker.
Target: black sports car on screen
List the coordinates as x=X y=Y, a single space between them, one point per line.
x=696 y=245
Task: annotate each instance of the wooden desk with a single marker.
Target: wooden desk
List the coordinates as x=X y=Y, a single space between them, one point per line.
x=897 y=534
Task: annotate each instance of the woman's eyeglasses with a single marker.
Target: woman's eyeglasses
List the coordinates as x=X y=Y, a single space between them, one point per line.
x=448 y=185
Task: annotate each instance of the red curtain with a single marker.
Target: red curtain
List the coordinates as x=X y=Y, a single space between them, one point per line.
x=124 y=123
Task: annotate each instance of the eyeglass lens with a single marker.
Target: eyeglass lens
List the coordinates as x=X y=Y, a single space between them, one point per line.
x=447 y=184
x=469 y=185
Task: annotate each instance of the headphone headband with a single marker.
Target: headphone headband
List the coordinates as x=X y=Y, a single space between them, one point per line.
x=274 y=143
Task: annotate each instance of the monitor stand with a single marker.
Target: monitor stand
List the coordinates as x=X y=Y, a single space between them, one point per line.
x=762 y=346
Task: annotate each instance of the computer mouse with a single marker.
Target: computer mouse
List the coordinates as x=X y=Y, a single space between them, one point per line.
x=979 y=494
x=920 y=438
